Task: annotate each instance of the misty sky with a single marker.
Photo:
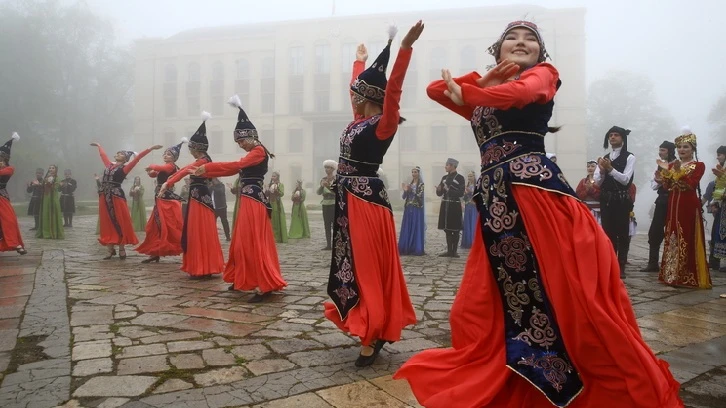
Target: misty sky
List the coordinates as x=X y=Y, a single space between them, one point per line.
x=677 y=43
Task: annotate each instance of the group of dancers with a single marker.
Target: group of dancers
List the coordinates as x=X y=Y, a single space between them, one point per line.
x=541 y=317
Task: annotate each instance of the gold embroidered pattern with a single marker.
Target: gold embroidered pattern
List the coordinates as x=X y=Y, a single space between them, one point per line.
x=554 y=368
x=529 y=166
x=540 y=332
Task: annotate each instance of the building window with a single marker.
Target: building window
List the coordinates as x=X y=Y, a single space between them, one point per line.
x=347 y=56
x=267 y=137
x=216 y=142
x=408 y=138
x=468 y=141
x=410 y=86
x=170 y=84
x=439 y=136
x=437 y=61
x=294 y=174
x=295 y=140
x=170 y=138
x=242 y=83
x=322 y=59
x=297 y=60
x=467 y=62
x=267 y=85
x=193 y=90
x=216 y=89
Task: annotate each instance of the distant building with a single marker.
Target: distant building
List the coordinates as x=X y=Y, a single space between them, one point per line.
x=293 y=78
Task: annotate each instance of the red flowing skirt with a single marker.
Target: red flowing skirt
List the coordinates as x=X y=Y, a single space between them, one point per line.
x=384 y=307
x=9 y=224
x=204 y=253
x=580 y=273
x=253 y=261
x=164 y=238
x=108 y=234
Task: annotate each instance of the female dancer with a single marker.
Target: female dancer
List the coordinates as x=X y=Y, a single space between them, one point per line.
x=138 y=209
x=541 y=317
x=253 y=262
x=413 y=226
x=199 y=240
x=115 y=218
x=276 y=190
x=51 y=218
x=299 y=227
x=164 y=228
x=684 y=253
x=470 y=214
x=10 y=238
x=589 y=192
x=366 y=284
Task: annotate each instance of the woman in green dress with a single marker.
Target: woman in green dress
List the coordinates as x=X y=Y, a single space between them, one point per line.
x=275 y=192
x=138 y=209
x=50 y=220
x=299 y=227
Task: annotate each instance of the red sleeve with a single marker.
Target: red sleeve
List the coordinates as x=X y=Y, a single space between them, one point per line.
x=358 y=67
x=436 y=89
x=104 y=157
x=167 y=167
x=388 y=124
x=595 y=192
x=222 y=169
x=7 y=171
x=153 y=173
x=535 y=85
x=581 y=191
x=694 y=178
x=130 y=166
x=183 y=171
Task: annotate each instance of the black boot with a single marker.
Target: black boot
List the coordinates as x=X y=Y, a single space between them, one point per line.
x=65 y=220
x=447 y=254
x=652 y=265
x=70 y=220
x=454 y=244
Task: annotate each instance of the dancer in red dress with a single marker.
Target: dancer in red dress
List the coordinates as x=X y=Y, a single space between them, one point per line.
x=541 y=318
x=114 y=216
x=684 y=254
x=10 y=239
x=199 y=239
x=253 y=262
x=366 y=283
x=164 y=228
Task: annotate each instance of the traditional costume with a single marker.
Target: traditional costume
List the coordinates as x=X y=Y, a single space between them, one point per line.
x=684 y=254
x=328 y=201
x=10 y=238
x=199 y=240
x=299 y=227
x=470 y=215
x=67 y=200
x=451 y=190
x=164 y=227
x=718 y=231
x=366 y=283
x=138 y=208
x=589 y=192
x=253 y=261
x=413 y=225
x=275 y=191
x=656 y=232
x=35 y=189
x=50 y=225
x=541 y=318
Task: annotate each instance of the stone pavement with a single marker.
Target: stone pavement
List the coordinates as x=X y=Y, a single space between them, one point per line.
x=77 y=331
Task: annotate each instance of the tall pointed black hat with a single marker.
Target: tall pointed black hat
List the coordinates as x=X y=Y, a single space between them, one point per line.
x=5 y=149
x=371 y=83
x=199 y=140
x=244 y=127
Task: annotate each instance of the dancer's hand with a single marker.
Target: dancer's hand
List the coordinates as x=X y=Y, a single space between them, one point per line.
x=164 y=187
x=156 y=147
x=454 y=91
x=498 y=75
x=361 y=53
x=412 y=35
x=94 y=144
x=663 y=165
x=677 y=165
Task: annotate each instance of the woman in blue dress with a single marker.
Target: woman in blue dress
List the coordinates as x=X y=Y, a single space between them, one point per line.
x=413 y=227
x=470 y=213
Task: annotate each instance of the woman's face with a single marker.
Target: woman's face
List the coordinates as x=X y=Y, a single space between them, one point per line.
x=246 y=144
x=415 y=174
x=137 y=180
x=471 y=178
x=685 y=151
x=275 y=178
x=168 y=157
x=591 y=168
x=120 y=157
x=520 y=46
x=52 y=170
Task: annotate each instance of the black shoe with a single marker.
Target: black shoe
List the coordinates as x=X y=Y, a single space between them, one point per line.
x=258 y=297
x=446 y=254
x=231 y=287
x=454 y=255
x=33 y=229
x=365 y=361
x=151 y=259
x=327 y=248
x=111 y=255
x=21 y=250
x=651 y=268
x=122 y=254
x=228 y=239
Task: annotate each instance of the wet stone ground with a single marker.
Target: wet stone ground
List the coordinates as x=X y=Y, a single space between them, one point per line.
x=78 y=331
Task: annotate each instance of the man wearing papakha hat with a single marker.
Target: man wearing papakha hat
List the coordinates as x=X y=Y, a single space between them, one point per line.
x=451 y=190
x=614 y=175
x=656 y=232
x=35 y=189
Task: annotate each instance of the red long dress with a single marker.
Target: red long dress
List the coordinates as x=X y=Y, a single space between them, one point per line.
x=116 y=227
x=10 y=238
x=384 y=307
x=577 y=267
x=164 y=228
x=253 y=261
x=684 y=253
x=203 y=253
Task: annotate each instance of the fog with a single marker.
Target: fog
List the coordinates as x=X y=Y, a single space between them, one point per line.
x=674 y=44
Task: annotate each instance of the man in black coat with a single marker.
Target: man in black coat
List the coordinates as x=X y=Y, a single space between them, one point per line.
x=451 y=190
x=219 y=199
x=35 y=189
x=656 y=233
x=67 y=200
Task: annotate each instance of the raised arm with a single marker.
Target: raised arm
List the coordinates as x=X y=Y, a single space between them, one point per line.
x=130 y=166
x=174 y=178
x=359 y=65
x=536 y=85
x=436 y=89
x=222 y=169
x=102 y=153
x=391 y=102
